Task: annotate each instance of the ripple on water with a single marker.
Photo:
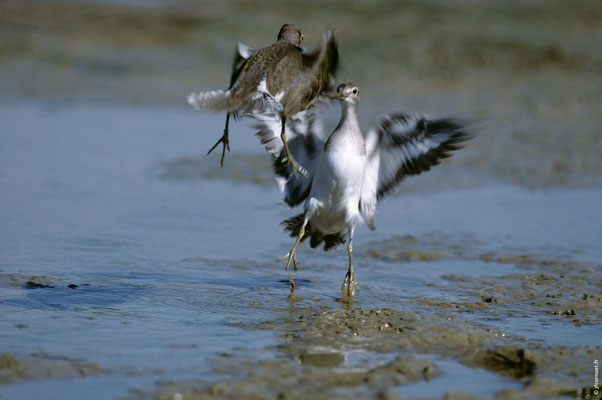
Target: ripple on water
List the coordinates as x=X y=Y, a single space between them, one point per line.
x=74 y=297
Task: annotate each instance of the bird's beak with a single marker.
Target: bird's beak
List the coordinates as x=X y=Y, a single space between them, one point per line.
x=334 y=96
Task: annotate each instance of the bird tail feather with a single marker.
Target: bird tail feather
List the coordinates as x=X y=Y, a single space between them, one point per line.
x=331 y=241
x=215 y=100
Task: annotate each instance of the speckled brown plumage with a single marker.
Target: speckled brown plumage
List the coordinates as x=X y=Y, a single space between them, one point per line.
x=280 y=78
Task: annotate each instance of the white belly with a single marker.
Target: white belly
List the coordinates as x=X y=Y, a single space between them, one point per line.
x=335 y=193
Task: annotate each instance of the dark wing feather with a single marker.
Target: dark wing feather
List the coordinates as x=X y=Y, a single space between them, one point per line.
x=241 y=55
x=318 y=75
x=305 y=140
x=325 y=57
x=400 y=145
x=316 y=237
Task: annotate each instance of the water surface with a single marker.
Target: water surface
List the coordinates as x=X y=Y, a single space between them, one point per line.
x=127 y=275
x=132 y=266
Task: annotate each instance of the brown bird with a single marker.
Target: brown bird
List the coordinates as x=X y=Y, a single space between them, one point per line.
x=277 y=80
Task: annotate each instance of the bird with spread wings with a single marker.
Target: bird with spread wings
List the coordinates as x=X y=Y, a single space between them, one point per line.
x=280 y=78
x=348 y=172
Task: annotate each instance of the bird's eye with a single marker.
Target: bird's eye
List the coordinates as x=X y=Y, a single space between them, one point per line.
x=354 y=91
x=301 y=37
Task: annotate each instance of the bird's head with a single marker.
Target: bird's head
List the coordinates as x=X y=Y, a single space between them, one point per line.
x=290 y=33
x=348 y=93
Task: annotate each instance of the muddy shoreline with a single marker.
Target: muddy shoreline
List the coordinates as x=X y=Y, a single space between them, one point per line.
x=133 y=266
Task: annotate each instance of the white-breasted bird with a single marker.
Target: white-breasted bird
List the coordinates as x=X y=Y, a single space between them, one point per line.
x=348 y=172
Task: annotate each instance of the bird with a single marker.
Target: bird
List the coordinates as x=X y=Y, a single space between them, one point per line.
x=349 y=172
x=279 y=79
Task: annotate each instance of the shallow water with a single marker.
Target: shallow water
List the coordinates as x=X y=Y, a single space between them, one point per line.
x=132 y=266
x=129 y=276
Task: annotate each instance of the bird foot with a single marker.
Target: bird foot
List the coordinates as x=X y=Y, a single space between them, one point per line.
x=226 y=145
x=295 y=168
x=349 y=286
x=292 y=296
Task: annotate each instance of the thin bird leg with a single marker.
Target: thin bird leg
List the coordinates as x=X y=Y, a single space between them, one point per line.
x=295 y=268
x=292 y=255
x=292 y=286
x=294 y=260
x=289 y=156
x=224 y=141
x=349 y=284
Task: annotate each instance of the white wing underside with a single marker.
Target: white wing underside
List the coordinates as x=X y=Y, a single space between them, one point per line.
x=396 y=146
x=305 y=138
x=244 y=51
x=401 y=145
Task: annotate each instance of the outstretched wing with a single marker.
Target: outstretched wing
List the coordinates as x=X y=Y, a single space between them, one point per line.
x=305 y=139
x=400 y=145
x=318 y=73
x=325 y=57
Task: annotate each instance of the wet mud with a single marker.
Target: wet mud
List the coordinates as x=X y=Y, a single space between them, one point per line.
x=128 y=257
x=375 y=353
x=42 y=367
x=560 y=287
